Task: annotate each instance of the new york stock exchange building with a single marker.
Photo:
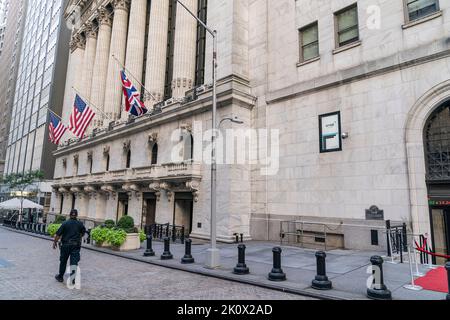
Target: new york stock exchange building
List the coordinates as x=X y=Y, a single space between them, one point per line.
x=343 y=111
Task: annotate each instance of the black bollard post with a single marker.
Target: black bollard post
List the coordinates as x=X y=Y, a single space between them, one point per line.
x=88 y=239
x=187 y=259
x=166 y=255
x=321 y=281
x=237 y=237
x=174 y=234
x=447 y=266
x=149 y=252
x=242 y=238
x=241 y=267
x=378 y=291
x=44 y=231
x=277 y=273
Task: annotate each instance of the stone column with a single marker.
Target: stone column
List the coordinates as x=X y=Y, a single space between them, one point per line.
x=89 y=58
x=101 y=63
x=136 y=44
x=113 y=96
x=185 y=50
x=74 y=76
x=157 y=51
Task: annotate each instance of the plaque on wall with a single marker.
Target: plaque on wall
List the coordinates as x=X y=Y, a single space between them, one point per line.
x=330 y=132
x=374 y=213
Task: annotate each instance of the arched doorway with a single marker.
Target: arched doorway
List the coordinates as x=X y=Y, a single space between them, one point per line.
x=437 y=159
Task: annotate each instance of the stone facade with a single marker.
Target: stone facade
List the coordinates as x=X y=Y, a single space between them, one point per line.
x=385 y=86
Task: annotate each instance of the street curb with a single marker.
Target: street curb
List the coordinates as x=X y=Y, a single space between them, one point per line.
x=198 y=272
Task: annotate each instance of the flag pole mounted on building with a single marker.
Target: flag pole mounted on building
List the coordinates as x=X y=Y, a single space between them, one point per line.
x=213 y=256
x=56 y=128
x=92 y=105
x=139 y=82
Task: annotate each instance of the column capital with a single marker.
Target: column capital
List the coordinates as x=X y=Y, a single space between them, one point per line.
x=77 y=42
x=121 y=5
x=104 y=16
x=90 y=30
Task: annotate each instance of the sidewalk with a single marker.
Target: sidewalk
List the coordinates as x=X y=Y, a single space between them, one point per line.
x=347 y=269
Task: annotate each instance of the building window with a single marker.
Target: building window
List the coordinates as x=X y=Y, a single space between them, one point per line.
x=201 y=43
x=128 y=164
x=309 y=42
x=170 y=49
x=107 y=162
x=418 y=9
x=155 y=154
x=347 y=29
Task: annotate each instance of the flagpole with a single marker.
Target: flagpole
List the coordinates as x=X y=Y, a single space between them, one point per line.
x=54 y=114
x=91 y=104
x=128 y=71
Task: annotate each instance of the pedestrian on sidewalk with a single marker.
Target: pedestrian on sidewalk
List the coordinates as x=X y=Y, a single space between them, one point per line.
x=70 y=233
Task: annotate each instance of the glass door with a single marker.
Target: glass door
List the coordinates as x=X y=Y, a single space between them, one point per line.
x=440 y=220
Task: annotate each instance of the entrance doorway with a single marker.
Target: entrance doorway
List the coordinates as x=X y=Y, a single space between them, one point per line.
x=122 y=209
x=183 y=211
x=437 y=156
x=148 y=210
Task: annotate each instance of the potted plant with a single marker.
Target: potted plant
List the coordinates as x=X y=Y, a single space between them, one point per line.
x=99 y=236
x=53 y=228
x=125 y=237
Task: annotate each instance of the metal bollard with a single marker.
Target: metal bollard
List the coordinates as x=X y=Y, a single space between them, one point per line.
x=447 y=267
x=242 y=238
x=237 y=237
x=378 y=291
x=241 y=267
x=88 y=239
x=321 y=281
x=277 y=273
x=149 y=252
x=44 y=231
x=166 y=255
x=187 y=259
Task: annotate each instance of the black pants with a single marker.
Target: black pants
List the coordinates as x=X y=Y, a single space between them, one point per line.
x=69 y=251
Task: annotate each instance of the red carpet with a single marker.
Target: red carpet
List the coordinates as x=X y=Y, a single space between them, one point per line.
x=435 y=280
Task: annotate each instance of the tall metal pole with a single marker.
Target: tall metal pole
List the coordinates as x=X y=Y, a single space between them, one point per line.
x=213 y=255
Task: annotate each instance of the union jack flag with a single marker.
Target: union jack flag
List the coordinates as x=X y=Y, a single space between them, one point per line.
x=56 y=129
x=133 y=103
x=80 y=118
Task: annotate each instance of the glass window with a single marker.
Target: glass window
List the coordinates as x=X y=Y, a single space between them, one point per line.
x=309 y=42
x=421 y=8
x=347 y=26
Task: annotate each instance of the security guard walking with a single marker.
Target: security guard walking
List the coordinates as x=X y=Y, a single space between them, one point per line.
x=70 y=233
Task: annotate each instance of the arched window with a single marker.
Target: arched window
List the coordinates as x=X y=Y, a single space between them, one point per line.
x=155 y=154
x=188 y=147
x=437 y=144
x=128 y=164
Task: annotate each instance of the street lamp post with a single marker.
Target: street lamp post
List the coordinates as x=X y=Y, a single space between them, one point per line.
x=213 y=256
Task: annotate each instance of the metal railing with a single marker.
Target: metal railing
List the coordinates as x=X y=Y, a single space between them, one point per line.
x=161 y=231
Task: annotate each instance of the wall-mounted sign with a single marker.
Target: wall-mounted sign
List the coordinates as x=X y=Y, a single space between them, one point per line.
x=330 y=132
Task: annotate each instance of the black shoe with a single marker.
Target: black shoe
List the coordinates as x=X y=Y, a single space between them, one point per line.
x=59 y=278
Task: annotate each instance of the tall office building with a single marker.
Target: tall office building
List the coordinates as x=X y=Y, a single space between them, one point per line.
x=40 y=87
x=12 y=17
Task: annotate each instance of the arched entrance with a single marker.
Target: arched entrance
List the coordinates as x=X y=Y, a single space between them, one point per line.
x=425 y=139
x=437 y=159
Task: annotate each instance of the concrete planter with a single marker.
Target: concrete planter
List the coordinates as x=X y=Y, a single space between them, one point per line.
x=101 y=245
x=132 y=242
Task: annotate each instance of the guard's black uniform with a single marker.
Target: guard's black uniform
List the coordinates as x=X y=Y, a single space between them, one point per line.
x=71 y=233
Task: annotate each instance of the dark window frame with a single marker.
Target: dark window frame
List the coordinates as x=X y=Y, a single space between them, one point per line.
x=418 y=17
x=302 y=45
x=339 y=32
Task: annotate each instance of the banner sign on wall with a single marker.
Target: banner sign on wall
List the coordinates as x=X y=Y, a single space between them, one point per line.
x=330 y=132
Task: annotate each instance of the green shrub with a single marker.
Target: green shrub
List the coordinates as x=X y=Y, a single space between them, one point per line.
x=59 y=219
x=142 y=236
x=53 y=228
x=126 y=223
x=116 y=237
x=100 y=235
x=110 y=224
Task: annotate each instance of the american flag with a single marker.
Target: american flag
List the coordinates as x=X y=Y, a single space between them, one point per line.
x=133 y=103
x=56 y=129
x=80 y=118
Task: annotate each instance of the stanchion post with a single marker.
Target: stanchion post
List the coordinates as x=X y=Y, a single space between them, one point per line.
x=167 y=255
x=188 y=259
x=149 y=252
x=241 y=267
x=321 y=282
x=378 y=291
x=277 y=273
x=411 y=286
